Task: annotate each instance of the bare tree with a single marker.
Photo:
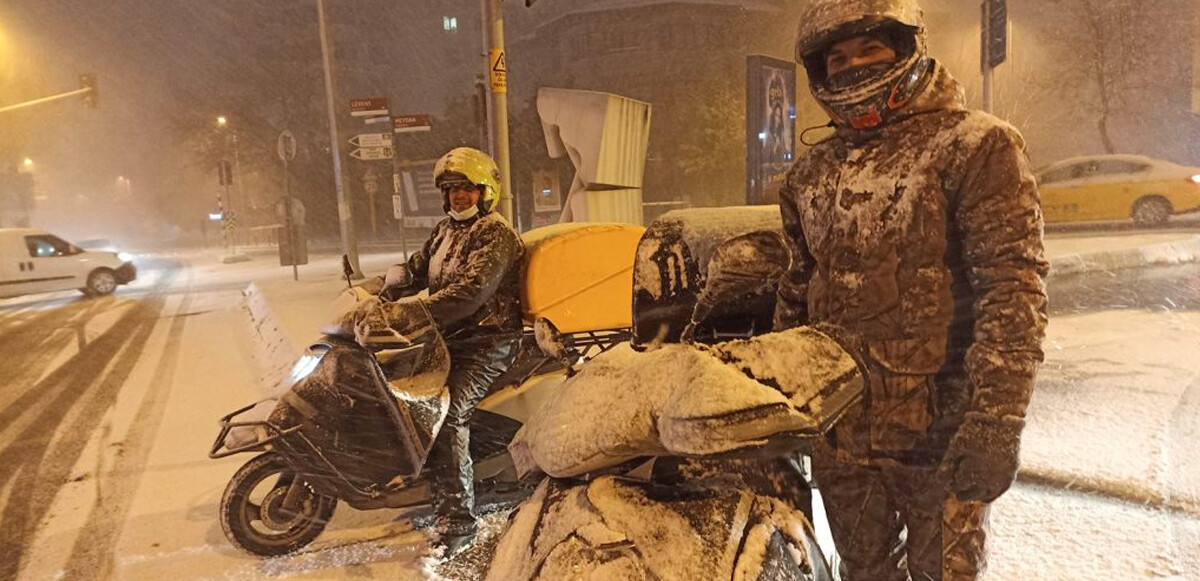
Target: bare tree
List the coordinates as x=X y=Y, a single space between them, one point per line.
x=1104 y=47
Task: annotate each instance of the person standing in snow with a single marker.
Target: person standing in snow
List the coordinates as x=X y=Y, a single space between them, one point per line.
x=916 y=239
x=470 y=265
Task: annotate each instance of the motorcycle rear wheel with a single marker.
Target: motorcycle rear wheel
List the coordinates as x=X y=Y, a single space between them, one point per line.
x=253 y=516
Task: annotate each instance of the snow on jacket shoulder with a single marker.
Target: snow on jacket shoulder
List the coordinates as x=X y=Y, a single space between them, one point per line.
x=923 y=239
x=471 y=269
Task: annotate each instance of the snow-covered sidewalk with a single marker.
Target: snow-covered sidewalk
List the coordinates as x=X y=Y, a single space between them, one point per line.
x=1116 y=408
x=1076 y=254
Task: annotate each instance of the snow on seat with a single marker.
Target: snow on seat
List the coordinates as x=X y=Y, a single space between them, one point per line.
x=579 y=275
x=685 y=400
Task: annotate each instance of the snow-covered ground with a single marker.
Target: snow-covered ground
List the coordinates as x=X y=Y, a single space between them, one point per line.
x=1110 y=488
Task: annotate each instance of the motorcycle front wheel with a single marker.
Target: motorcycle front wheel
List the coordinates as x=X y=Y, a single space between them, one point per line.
x=253 y=512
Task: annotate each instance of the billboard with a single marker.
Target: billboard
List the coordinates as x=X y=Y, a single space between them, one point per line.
x=770 y=126
x=421 y=200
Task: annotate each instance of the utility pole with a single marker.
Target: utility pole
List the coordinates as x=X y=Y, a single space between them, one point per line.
x=497 y=71
x=345 y=214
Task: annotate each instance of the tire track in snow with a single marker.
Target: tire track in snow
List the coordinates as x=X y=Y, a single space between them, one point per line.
x=94 y=553
x=31 y=341
x=82 y=389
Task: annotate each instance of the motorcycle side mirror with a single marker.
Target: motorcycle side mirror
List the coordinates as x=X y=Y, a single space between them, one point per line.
x=347 y=270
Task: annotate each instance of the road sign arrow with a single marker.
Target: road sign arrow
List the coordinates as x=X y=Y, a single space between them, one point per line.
x=371 y=140
x=371 y=153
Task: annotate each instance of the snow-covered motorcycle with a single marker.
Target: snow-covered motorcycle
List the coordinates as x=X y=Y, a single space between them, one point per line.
x=664 y=456
x=358 y=417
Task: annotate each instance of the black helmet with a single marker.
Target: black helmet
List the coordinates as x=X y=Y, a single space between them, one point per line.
x=870 y=100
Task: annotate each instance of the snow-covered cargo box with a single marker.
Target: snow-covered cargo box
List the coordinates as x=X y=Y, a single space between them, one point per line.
x=733 y=254
x=579 y=276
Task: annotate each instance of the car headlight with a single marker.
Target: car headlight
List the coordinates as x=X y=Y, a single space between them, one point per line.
x=124 y=257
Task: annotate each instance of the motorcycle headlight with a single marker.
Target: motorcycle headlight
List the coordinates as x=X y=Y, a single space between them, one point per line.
x=304 y=367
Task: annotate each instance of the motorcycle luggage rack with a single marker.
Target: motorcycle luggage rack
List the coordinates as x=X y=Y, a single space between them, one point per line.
x=291 y=448
x=219 y=450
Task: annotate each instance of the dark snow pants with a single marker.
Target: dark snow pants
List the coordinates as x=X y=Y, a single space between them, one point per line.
x=475 y=364
x=871 y=505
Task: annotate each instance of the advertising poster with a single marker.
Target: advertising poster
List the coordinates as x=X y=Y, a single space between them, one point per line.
x=420 y=198
x=770 y=126
x=546 y=197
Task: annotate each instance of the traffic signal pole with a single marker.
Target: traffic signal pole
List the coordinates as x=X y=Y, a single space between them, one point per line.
x=988 y=69
x=49 y=99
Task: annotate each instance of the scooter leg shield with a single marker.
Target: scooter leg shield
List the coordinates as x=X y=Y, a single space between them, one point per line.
x=343 y=411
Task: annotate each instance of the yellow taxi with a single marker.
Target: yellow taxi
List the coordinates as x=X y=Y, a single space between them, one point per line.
x=1117 y=187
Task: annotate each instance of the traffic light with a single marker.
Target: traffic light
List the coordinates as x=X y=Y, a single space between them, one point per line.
x=92 y=97
x=224 y=174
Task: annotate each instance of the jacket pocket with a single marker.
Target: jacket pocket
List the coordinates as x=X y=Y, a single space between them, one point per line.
x=902 y=390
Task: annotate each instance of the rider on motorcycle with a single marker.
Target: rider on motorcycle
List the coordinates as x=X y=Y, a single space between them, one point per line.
x=470 y=266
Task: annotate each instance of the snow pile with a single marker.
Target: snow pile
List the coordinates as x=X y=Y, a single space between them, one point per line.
x=273 y=352
x=683 y=400
x=615 y=530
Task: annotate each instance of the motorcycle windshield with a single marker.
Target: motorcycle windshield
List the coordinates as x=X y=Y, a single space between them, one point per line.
x=416 y=379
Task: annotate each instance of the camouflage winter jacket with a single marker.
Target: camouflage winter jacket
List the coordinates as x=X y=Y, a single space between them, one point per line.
x=922 y=239
x=472 y=271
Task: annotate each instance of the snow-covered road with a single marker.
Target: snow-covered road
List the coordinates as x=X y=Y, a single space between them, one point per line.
x=107 y=412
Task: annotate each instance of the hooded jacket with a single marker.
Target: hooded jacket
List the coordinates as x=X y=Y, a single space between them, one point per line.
x=922 y=240
x=471 y=268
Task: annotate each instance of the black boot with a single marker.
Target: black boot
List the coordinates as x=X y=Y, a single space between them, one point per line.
x=455 y=542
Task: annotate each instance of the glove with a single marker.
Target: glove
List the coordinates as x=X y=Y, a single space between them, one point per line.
x=983 y=457
x=397 y=275
x=407 y=320
x=348 y=311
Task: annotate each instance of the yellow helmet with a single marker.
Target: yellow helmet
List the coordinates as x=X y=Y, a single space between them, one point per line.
x=476 y=167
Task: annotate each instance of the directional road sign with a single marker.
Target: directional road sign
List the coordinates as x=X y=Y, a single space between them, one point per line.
x=372 y=153
x=372 y=140
x=410 y=123
x=368 y=107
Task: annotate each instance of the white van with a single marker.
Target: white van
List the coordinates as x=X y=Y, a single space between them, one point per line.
x=35 y=261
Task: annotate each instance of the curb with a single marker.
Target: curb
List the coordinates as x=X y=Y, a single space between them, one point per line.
x=273 y=352
x=1162 y=254
x=1106 y=488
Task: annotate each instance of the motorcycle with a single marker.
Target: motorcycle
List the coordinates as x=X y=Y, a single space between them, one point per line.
x=358 y=419
x=356 y=425
x=694 y=468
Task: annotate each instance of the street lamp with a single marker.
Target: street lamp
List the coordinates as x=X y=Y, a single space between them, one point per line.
x=223 y=124
x=28 y=163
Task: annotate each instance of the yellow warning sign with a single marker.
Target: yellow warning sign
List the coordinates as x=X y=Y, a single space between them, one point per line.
x=499 y=70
